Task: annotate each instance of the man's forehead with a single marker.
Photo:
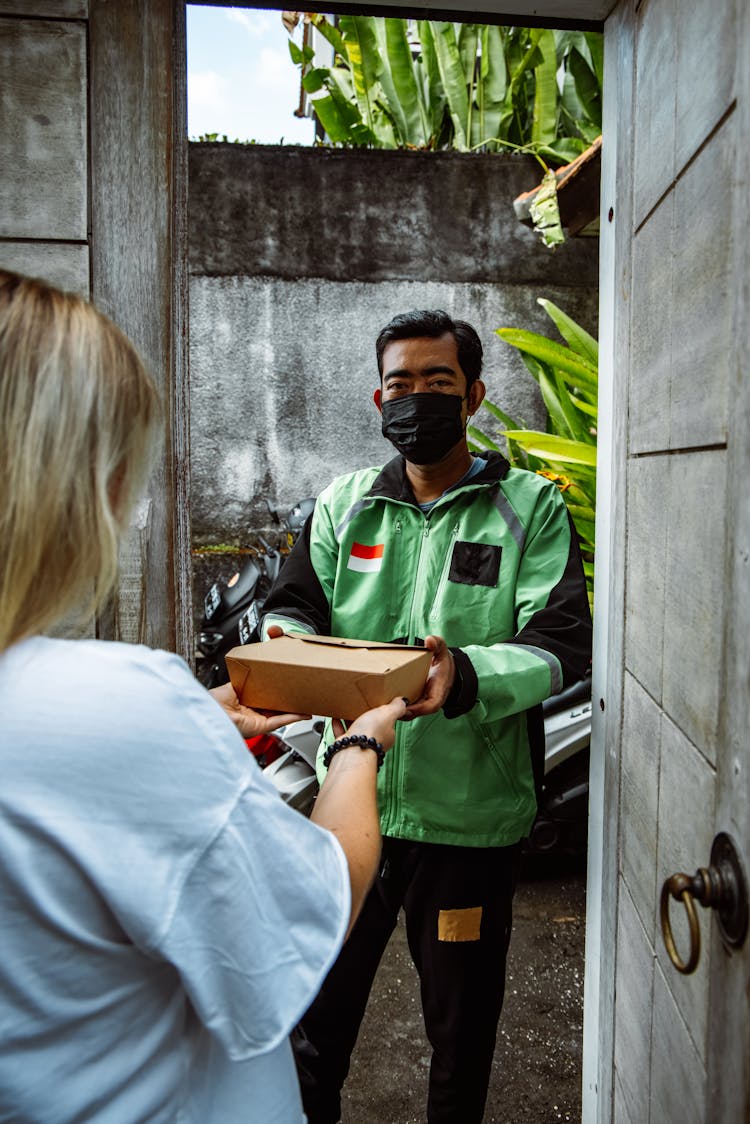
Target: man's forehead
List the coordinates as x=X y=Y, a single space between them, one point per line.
x=420 y=351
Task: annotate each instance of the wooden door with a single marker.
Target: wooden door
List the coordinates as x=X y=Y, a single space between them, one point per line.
x=673 y=762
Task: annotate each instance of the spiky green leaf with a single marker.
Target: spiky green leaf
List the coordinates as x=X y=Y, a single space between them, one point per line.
x=576 y=337
x=562 y=358
x=561 y=450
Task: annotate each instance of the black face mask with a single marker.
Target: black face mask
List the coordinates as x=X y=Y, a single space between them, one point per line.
x=423 y=427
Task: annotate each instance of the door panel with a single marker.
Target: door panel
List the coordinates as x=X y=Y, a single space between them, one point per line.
x=682 y=755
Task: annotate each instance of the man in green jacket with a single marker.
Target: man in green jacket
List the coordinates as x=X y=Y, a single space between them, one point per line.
x=479 y=562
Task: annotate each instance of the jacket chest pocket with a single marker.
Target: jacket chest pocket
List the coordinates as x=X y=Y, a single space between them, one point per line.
x=475 y=563
x=470 y=571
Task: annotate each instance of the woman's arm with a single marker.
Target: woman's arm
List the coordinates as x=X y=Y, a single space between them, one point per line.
x=347 y=803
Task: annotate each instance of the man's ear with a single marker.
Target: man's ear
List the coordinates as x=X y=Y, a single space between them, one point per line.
x=376 y=399
x=476 y=395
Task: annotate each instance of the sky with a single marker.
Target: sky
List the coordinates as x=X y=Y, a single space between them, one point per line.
x=241 y=80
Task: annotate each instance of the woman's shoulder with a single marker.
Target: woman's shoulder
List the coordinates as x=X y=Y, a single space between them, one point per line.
x=133 y=691
x=98 y=659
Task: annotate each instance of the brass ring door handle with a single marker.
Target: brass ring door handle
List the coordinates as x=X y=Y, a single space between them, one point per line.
x=679 y=886
x=722 y=887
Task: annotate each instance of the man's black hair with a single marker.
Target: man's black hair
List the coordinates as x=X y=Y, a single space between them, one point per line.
x=434 y=323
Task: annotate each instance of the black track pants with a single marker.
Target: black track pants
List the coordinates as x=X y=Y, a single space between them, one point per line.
x=457 y=903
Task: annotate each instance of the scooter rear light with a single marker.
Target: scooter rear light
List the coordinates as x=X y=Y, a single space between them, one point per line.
x=265 y=748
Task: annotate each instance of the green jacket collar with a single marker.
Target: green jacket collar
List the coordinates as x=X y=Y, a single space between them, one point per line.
x=393 y=483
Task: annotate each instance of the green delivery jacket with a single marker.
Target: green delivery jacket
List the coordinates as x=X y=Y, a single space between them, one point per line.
x=495 y=569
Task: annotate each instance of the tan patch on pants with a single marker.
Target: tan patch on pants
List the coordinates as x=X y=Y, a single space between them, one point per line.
x=459 y=924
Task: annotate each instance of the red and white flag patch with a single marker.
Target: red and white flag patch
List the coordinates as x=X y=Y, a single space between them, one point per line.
x=366 y=559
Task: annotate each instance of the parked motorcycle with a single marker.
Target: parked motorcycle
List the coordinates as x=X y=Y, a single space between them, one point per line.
x=561 y=824
x=232 y=608
x=293 y=771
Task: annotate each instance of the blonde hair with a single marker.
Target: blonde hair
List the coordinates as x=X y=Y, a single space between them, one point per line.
x=79 y=416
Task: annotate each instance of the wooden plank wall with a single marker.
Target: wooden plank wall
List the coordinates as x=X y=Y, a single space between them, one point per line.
x=92 y=197
x=44 y=142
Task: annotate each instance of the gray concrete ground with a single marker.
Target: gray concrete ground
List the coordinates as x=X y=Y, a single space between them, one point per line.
x=537 y=1066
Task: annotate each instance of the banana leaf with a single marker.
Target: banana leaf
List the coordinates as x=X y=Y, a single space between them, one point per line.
x=329 y=32
x=545 y=212
x=405 y=96
x=562 y=358
x=490 y=90
x=544 y=121
x=595 y=44
x=339 y=114
x=299 y=56
x=588 y=88
x=364 y=62
x=434 y=92
x=576 y=337
x=467 y=41
x=561 y=450
x=453 y=79
x=468 y=47
x=563 y=151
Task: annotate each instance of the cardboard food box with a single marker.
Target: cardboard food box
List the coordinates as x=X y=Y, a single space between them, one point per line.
x=326 y=674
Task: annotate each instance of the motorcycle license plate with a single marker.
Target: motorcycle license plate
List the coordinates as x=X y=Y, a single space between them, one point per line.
x=212 y=601
x=247 y=623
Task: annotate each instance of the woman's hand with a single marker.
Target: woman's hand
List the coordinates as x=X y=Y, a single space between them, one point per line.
x=250 y=723
x=378 y=723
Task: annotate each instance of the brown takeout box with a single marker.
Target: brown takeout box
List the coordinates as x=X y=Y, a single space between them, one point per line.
x=325 y=675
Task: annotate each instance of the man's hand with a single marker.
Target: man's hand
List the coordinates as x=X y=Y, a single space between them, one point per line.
x=439 y=681
x=250 y=723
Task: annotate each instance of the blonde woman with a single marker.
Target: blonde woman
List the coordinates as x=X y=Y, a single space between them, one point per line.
x=164 y=918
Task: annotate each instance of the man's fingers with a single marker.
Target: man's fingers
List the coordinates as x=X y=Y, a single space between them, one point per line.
x=436 y=645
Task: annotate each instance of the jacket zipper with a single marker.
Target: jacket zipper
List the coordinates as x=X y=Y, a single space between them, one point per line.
x=395 y=803
x=396 y=584
x=417 y=582
x=437 y=601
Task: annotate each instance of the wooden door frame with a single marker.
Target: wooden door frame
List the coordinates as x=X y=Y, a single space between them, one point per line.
x=616 y=224
x=602 y=879
x=139 y=276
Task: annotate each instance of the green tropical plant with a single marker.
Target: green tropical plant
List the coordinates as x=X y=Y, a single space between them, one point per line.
x=566 y=451
x=455 y=85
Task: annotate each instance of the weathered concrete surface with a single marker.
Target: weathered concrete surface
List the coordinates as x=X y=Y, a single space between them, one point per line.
x=283 y=374
x=361 y=215
x=298 y=258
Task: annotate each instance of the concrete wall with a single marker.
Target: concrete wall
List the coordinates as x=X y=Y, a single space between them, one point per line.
x=298 y=257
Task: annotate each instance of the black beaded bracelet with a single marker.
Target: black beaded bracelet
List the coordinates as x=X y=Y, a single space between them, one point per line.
x=354 y=739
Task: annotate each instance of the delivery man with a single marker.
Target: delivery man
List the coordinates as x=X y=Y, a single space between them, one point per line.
x=479 y=562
